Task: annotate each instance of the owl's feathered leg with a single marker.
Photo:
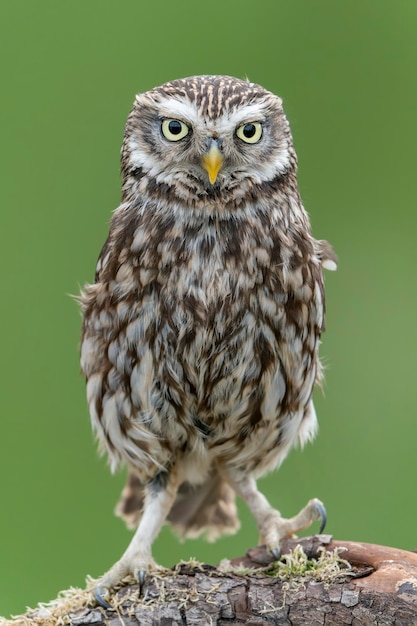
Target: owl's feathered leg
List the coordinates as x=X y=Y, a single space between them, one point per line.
x=272 y=527
x=137 y=559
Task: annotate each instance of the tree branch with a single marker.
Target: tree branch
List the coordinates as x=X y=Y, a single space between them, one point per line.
x=379 y=587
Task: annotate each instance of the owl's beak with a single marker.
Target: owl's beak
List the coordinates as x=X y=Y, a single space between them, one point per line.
x=212 y=161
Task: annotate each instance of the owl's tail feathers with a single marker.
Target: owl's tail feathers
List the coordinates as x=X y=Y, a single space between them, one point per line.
x=207 y=508
x=130 y=505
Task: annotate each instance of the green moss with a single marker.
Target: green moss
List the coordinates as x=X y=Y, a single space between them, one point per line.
x=297 y=567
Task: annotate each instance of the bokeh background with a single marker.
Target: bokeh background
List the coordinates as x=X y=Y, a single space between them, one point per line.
x=347 y=73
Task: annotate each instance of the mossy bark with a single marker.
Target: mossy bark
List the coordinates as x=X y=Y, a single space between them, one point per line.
x=381 y=589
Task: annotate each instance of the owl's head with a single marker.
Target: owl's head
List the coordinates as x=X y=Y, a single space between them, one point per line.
x=201 y=138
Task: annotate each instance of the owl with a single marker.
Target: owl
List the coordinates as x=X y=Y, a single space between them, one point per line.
x=201 y=331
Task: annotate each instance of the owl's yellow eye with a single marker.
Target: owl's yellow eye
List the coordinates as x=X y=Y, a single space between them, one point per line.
x=174 y=130
x=250 y=133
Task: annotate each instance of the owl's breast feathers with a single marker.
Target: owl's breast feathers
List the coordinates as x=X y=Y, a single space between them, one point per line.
x=201 y=334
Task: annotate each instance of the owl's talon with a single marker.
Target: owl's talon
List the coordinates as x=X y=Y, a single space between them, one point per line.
x=98 y=595
x=141 y=577
x=275 y=553
x=323 y=515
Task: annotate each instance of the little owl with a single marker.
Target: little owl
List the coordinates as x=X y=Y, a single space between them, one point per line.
x=201 y=331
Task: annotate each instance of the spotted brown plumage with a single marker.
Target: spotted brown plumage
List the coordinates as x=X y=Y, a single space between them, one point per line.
x=201 y=331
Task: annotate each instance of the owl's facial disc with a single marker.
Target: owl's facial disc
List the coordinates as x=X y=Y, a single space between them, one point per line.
x=212 y=161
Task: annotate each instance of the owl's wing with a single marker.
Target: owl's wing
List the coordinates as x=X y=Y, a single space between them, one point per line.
x=327 y=255
x=122 y=227
x=103 y=257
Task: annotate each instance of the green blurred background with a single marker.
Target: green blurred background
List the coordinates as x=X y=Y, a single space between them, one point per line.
x=347 y=73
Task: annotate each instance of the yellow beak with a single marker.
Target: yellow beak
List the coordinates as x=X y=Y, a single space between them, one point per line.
x=212 y=162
